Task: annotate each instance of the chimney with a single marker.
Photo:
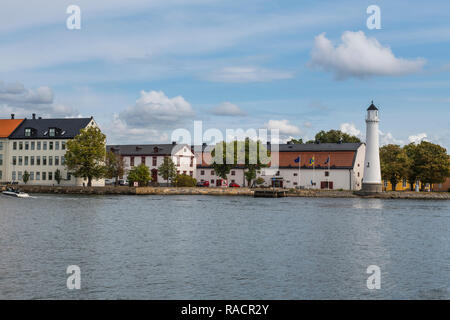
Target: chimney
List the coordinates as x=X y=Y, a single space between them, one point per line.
x=34 y=116
x=40 y=118
x=12 y=115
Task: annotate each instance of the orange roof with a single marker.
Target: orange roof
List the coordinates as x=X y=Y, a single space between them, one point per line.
x=7 y=126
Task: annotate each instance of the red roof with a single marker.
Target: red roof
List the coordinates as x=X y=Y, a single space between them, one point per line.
x=7 y=126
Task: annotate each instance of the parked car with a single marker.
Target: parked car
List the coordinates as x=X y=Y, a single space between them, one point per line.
x=234 y=185
x=203 y=184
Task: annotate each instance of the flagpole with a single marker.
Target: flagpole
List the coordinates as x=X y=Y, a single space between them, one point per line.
x=314 y=170
x=328 y=177
x=299 y=165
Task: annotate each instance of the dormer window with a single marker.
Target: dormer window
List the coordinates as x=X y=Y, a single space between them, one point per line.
x=52 y=132
x=27 y=132
x=155 y=149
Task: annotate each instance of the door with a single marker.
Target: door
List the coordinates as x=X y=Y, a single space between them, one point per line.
x=154 y=175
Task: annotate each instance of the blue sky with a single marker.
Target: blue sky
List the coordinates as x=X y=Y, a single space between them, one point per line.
x=144 y=68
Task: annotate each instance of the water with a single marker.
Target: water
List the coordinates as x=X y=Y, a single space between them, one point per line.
x=207 y=247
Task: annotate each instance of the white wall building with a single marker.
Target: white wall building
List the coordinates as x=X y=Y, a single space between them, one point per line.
x=38 y=146
x=152 y=155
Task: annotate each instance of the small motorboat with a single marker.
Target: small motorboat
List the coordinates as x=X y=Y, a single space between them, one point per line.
x=15 y=193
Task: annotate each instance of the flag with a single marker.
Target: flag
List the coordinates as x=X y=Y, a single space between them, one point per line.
x=311 y=161
x=328 y=160
x=297 y=160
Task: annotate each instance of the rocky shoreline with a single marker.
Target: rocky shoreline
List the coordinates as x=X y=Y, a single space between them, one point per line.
x=123 y=190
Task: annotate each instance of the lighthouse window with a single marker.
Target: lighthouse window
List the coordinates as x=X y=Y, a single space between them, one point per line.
x=368 y=164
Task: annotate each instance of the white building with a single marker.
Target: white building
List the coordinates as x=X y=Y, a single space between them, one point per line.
x=306 y=166
x=7 y=127
x=38 y=146
x=152 y=155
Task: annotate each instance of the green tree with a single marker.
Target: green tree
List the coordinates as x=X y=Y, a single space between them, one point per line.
x=431 y=162
x=26 y=177
x=334 y=136
x=250 y=174
x=168 y=170
x=249 y=154
x=139 y=174
x=85 y=154
x=413 y=174
x=114 y=166
x=58 y=176
x=395 y=164
x=183 y=180
x=296 y=141
x=259 y=181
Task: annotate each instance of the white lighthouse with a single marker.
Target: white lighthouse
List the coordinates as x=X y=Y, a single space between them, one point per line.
x=372 y=171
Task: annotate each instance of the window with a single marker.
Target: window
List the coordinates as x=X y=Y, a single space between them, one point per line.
x=20 y=177
x=56 y=161
x=56 y=145
x=1 y=145
x=132 y=161
x=143 y=160
x=38 y=160
x=44 y=145
x=278 y=173
x=63 y=160
x=44 y=160
x=212 y=181
x=20 y=145
x=50 y=145
x=14 y=175
x=26 y=160
x=1 y=174
x=44 y=175
x=63 y=145
x=212 y=172
x=14 y=145
x=51 y=132
x=20 y=160
x=327 y=173
x=32 y=145
x=38 y=175
x=27 y=146
x=191 y=173
x=27 y=132
x=32 y=175
x=295 y=174
x=32 y=160
x=50 y=176
x=295 y=183
x=184 y=172
x=202 y=172
x=233 y=173
x=50 y=160
x=192 y=162
x=68 y=176
x=1 y=159
x=358 y=174
x=14 y=160
x=38 y=145
x=154 y=159
x=385 y=183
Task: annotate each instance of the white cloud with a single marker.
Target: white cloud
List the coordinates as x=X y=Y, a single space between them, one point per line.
x=247 y=74
x=284 y=127
x=418 y=138
x=15 y=98
x=155 y=108
x=388 y=138
x=359 y=56
x=350 y=129
x=228 y=109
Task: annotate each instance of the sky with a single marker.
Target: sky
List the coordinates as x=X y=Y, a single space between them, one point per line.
x=145 y=68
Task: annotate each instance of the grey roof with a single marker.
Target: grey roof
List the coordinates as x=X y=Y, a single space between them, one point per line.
x=145 y=149
x=319 y=147
x=68 y=128
x=311 y=147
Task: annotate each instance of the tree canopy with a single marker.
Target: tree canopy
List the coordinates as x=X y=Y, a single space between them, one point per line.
x=334 y=136
x=395 y=163
x=139 y=174
x=168 y=170
x=114 y=166
x=85 y=154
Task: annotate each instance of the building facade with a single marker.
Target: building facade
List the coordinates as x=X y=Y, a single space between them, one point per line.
x=152 y=155
x=304 y=166
x=7 y=127
x=38 y=146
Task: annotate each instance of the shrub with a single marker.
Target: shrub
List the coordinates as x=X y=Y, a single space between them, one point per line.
x=183 y=180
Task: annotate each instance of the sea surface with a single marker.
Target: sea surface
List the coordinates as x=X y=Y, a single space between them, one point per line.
x=208 y=247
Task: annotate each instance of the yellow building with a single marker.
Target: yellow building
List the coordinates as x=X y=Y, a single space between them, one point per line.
x=403 y=185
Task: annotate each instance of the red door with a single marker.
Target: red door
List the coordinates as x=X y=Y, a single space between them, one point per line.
x=154 y=175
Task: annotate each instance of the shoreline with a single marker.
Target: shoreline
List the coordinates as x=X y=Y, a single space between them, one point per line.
x=124 y=190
